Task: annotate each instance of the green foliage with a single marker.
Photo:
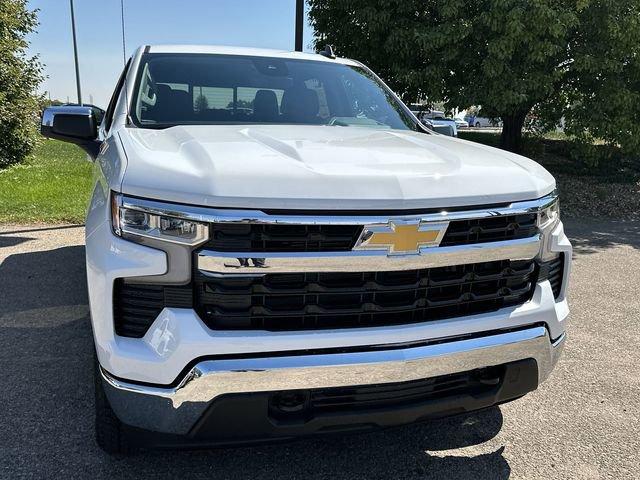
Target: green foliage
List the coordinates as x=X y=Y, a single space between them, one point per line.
x=562 y=155
x=551 y=57
x=241 y=104
x=51 y=185
x=19 y=78
x=603 y=85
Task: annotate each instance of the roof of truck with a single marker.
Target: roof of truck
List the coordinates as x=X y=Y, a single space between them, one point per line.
x=248 y=51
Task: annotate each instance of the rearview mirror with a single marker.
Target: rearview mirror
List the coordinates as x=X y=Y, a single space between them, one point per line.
x=74 y=124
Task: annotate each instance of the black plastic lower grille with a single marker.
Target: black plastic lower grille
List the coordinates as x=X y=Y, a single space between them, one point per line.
x=397 y=394
x=349 y=300
x=291 y=405
x=136 y=306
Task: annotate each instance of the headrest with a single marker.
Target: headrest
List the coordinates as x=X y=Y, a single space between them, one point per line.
x=300 y=104
x=265 y=106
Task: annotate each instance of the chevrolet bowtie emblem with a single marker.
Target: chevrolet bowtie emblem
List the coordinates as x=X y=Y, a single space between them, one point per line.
x=401 y=237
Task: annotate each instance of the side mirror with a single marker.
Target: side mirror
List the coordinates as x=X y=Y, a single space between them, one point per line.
x=73 y=124
x=441 y=129
x=444 y=130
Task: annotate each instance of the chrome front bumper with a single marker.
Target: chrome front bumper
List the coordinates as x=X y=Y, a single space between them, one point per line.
x=177 y=409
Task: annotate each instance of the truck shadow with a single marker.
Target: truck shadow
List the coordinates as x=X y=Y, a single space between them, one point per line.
x=593 y=236
x=46 y=412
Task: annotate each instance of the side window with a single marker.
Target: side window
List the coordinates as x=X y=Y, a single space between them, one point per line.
x=212 y=98
x=108 y=116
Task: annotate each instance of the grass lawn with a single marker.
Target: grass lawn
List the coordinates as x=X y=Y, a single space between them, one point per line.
x=50 y=187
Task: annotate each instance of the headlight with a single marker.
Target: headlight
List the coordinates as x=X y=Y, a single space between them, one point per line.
x=129 y=222
x=548 y=219
x=549 y=216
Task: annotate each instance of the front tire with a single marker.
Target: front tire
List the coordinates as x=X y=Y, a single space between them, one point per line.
x=110 y=434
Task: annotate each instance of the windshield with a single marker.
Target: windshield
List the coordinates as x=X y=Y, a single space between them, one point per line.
x=197 y=89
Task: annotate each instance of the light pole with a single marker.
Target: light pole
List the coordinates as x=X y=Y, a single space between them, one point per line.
x=299 y=24
x=75 y=53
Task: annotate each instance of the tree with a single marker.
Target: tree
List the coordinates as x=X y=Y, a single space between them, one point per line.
x=509 y=56
x=20 y=76
x=241 y=104
x=201 y=103
x=603 y=86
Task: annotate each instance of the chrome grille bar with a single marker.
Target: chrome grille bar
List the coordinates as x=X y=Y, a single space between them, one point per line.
x=247 y=263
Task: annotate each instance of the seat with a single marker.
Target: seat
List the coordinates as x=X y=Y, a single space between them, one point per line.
x=171 y=105
x=265 y=106
x=300 y=105
x=182 y=105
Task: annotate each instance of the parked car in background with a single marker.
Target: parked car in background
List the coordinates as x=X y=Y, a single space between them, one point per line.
x=481 y=122
x=312 y=260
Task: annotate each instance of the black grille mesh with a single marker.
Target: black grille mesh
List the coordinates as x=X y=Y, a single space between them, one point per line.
x=491 y=229
x=348 y=300
x=282 y=238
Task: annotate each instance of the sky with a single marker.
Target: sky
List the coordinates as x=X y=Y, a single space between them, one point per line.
x=247 y=23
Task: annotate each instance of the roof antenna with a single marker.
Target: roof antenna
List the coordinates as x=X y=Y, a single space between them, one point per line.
x=328 y=52
x=124 y=46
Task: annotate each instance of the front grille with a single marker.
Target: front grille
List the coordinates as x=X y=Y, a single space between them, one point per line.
x=349 y=300
x=491 y=229
x=304 y=404
x=254 y=237
x=136 y=306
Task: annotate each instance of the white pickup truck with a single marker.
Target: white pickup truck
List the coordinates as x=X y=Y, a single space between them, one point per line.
x=277 y=247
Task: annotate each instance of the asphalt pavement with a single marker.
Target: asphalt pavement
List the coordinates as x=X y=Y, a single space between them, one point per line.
x=582 y=423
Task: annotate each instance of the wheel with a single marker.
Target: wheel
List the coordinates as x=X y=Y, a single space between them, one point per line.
x=110 y=434
x=478 y=125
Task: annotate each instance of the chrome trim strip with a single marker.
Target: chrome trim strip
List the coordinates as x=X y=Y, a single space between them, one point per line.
x=176 y=409
x=215 y=215
x=224 y=263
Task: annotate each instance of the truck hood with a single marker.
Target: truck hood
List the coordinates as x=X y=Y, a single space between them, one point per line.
x=322 y=167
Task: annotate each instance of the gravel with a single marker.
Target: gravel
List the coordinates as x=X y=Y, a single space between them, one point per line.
x=582 y=423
